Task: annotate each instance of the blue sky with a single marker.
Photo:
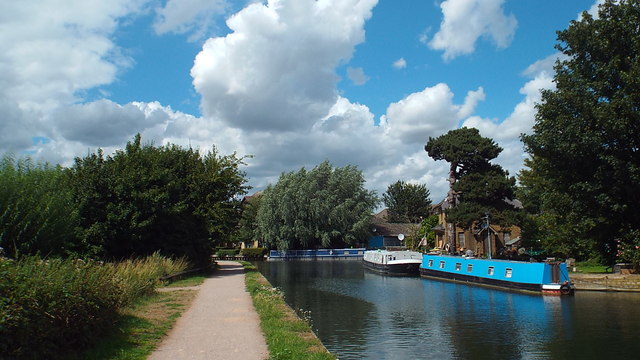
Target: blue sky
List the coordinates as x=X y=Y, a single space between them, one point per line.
x=291 y=82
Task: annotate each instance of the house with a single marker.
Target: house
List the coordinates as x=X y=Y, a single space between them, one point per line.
x=479 y=239
x=386 y=234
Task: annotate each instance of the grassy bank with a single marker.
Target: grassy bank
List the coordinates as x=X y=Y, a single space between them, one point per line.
x=142 y=326
x=288 y=337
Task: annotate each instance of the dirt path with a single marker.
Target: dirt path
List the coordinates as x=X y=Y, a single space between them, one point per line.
x=221 y=323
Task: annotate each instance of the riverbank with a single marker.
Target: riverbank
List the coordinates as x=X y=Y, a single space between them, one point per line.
x=606 y=282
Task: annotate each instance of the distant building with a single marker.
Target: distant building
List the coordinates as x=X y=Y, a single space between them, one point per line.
x=386 y=234
x=475 y=239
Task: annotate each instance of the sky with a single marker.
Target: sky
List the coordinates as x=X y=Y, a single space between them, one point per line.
x=287 y=83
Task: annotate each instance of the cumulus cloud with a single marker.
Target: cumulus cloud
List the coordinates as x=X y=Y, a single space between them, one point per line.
x=52 y=52
x=430 y=112
x=189 y=16
x=276 y=69
x=399 y=64
x=464 y=21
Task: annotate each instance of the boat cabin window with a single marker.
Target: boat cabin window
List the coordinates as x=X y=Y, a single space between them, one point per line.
x=469 y=267
x=490 y=272
x=430 y=263
x=458 y=266
x=508 y=273
x=441 y=264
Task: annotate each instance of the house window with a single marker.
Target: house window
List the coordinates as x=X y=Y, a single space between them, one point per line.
x=458 y=266
x=430 y=263
x=508 y=273
x=441 y=264
x=506 y=237
x=469 y=267
x=491 y=269
x=461 y=239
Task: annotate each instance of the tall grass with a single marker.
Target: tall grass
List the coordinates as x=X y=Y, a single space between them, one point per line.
x=48 y=307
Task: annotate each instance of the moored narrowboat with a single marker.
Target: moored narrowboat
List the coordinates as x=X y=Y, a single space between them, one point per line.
x=393 y=262
x=549 y=277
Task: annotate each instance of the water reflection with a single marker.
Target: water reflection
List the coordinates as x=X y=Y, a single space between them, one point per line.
x=362 y=315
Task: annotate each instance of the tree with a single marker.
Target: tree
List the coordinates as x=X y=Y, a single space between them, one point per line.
x=476 y=186
x=145 y=199
x=407 y=202
x=585 y=145
x=325 y=207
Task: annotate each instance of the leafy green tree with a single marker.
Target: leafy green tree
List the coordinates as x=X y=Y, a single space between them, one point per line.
x=325 y=207
x=407 y=202
x=248 y=226
x=586 y=139
x=145 y=199
x=476 y=186
x=37 y=214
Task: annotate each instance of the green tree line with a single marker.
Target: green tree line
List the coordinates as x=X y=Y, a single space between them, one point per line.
x=141 y=200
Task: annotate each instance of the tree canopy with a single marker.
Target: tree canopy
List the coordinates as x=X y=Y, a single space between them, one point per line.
x=585 y=146
x=407 y=202
x=325 y=207
x=145 y=199
x=476 y=186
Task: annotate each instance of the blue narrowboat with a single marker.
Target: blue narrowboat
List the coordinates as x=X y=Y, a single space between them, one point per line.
x=549 y=277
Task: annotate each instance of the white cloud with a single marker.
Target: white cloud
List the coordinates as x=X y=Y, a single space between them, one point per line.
x=430 y=112
x=464 y=21
x=276 y=70
x=357 y=76
x=400 y=64
x=52 y=53
x=188 y=16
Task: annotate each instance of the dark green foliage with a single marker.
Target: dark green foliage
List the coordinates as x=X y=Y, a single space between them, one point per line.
x=477 y=187
x=253 y=252
x=247 y=226
x=37 y=214
x=324 y=207
x=49 y=307
x=586 y=140
x=145 y=199
x=464 y=149
x=407 y=202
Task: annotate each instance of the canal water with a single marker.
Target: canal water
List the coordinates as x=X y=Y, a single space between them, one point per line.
x=359 y=314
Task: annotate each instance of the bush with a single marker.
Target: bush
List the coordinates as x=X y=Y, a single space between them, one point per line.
x=228 y=252
x=253 y=252
x=49 y=307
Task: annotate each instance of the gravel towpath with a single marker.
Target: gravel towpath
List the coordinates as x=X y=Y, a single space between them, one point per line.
x=221 y=323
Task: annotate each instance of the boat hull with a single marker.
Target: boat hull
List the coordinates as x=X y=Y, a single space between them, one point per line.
x=406 y=269
x=544 y=278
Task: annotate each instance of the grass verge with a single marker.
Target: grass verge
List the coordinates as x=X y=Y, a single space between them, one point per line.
x=142 y=326
x=288 y=336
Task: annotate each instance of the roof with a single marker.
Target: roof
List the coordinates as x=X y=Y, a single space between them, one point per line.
x=384 y=228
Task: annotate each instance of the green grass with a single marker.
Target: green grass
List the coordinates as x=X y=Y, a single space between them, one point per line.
x=141 y=327
x=590 y=268
x=288 y=336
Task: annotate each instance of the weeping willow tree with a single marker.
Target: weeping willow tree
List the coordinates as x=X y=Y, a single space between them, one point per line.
x=37 y=213
x=325 y=207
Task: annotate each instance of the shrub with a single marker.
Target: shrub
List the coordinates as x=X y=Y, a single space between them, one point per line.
x=51 y=306
x=253 y=252
x=227 y=252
